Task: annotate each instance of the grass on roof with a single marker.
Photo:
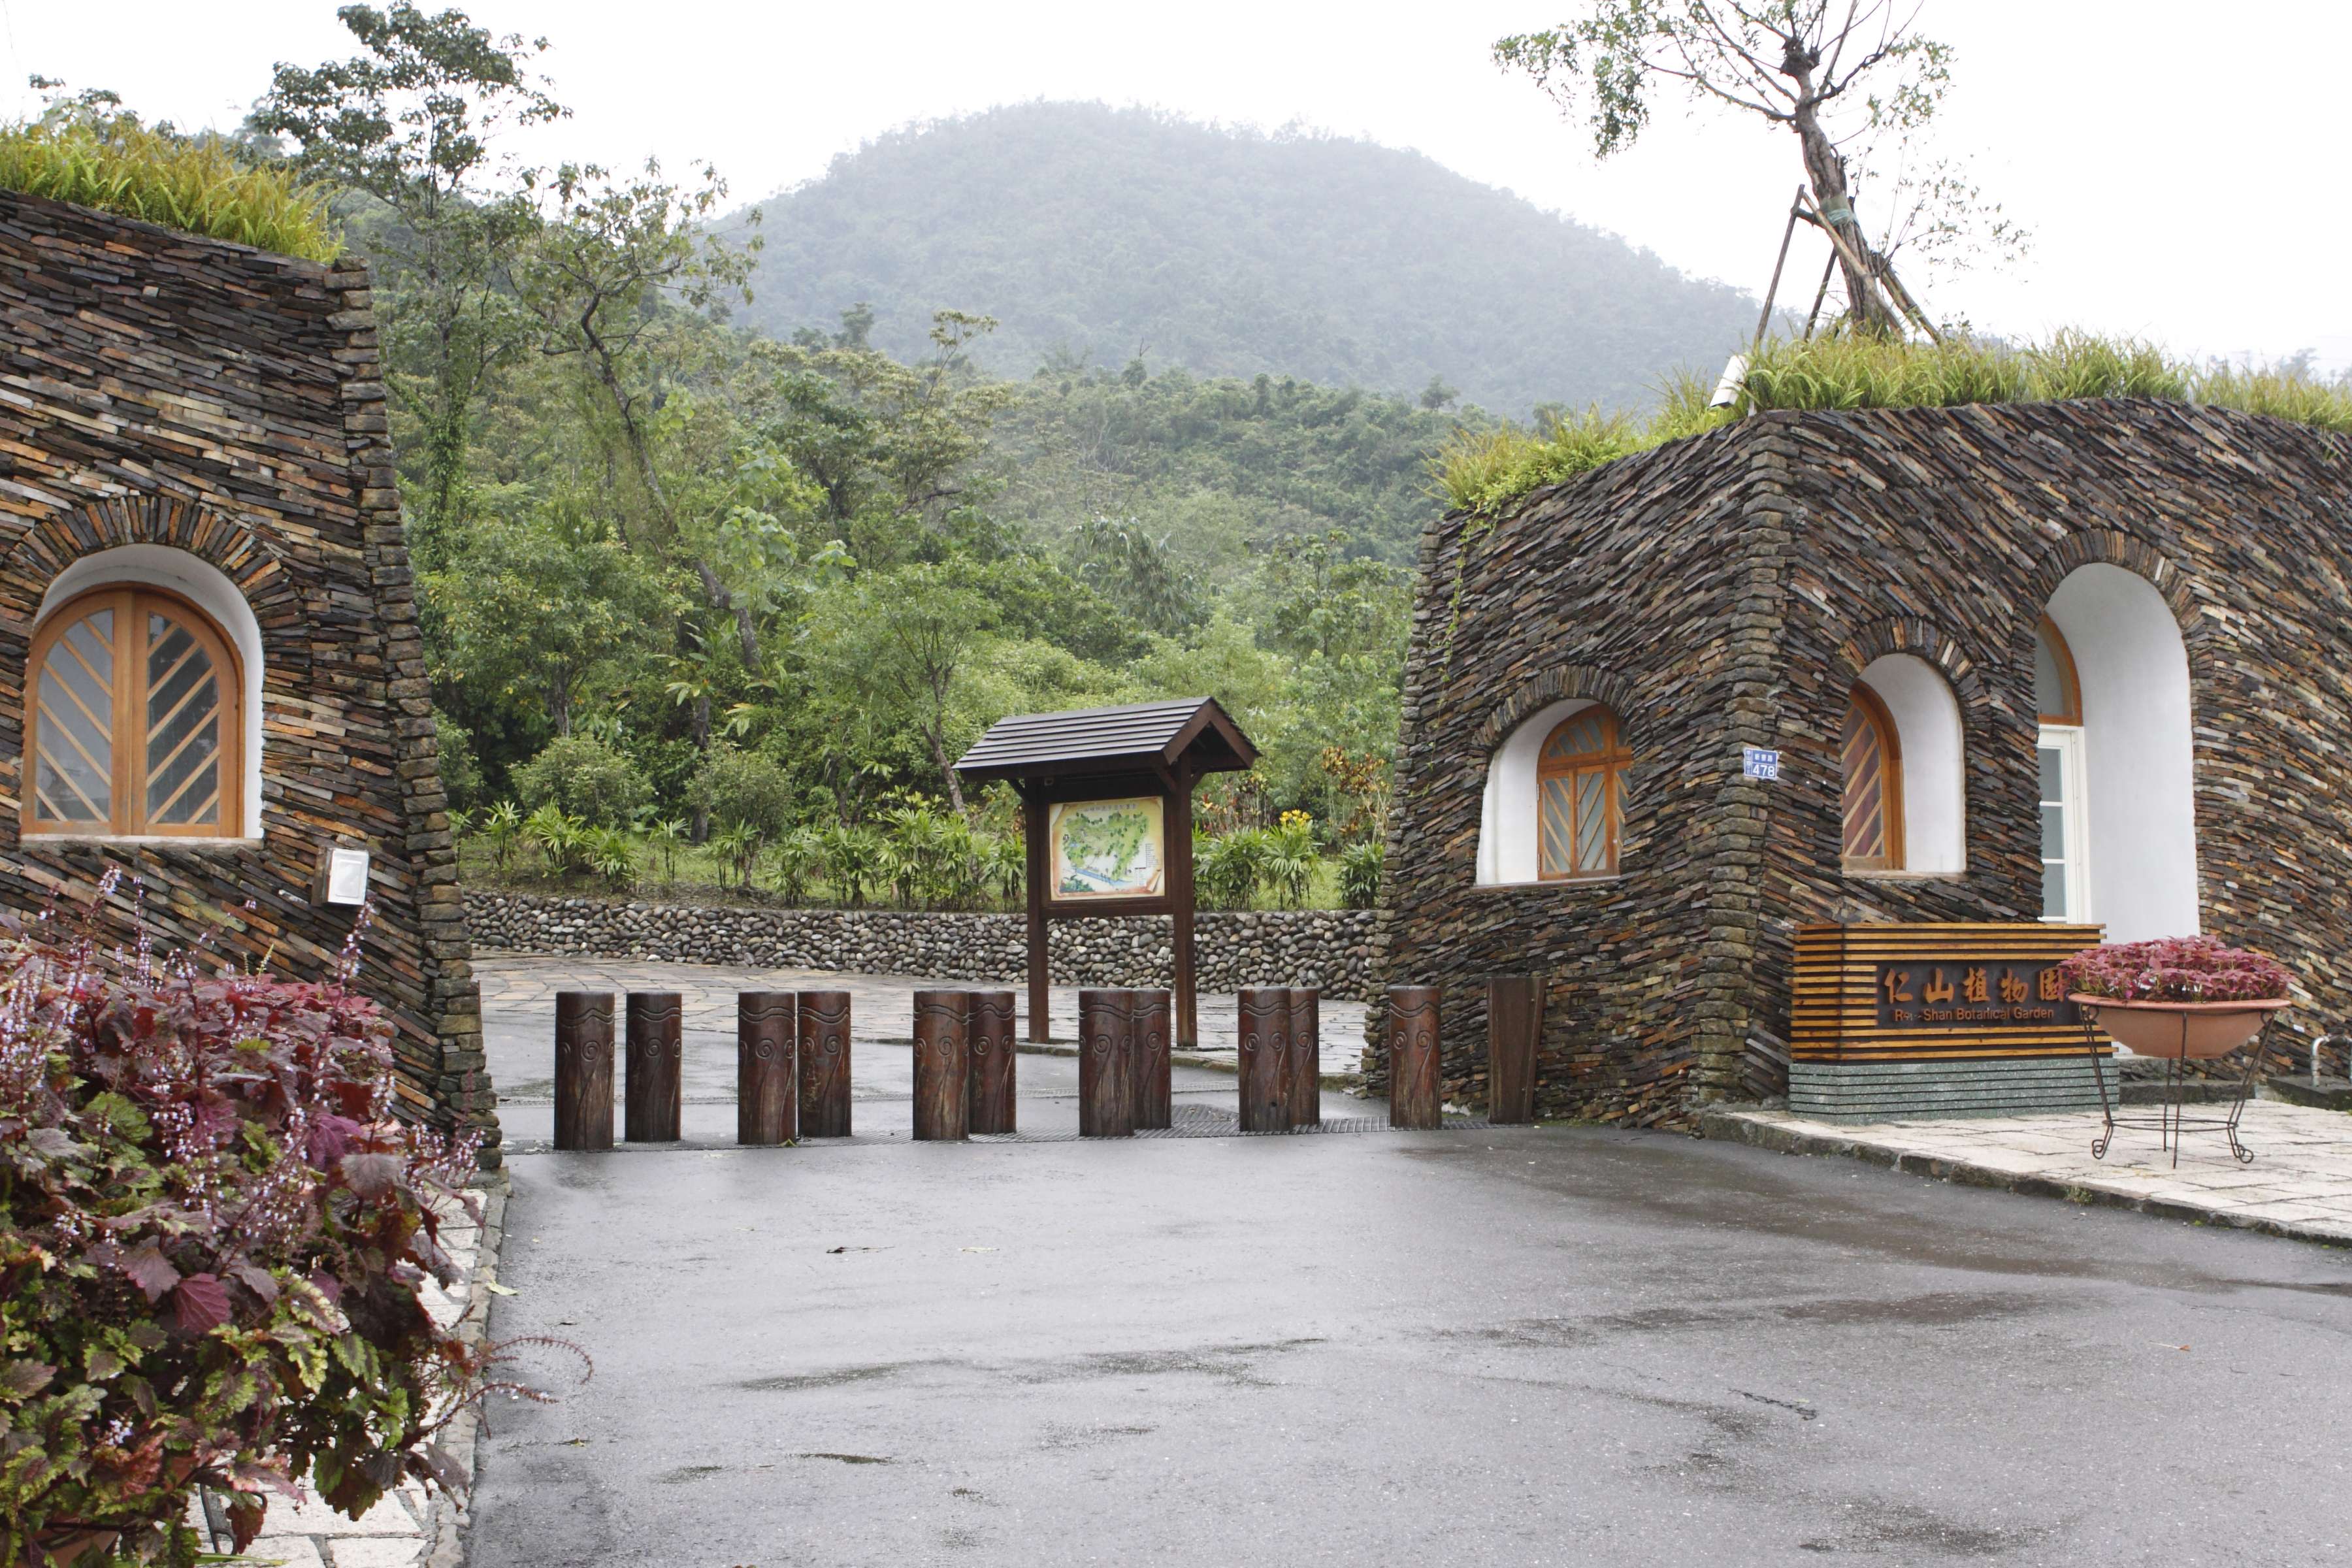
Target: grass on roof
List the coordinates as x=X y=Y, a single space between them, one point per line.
x=1484 y=472
x=112 y=162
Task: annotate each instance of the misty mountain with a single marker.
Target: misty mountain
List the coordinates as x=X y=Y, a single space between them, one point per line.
x=1096 y=235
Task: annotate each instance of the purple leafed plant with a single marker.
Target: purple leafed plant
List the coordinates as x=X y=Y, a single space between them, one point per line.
x=2176 y=969
x=212 y=1240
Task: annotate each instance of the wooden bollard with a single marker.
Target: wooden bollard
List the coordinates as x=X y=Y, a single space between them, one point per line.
x=583 y=1069
x=1514 y=1029
x=989 y=1088
x=1413 y=1100
x=1149 y=1065
x=655 y=1094
x=1264 y=1042
x=1105 y=1057
x=942 y=1083
x=767 y=1068
x=1304 y=1078
x=824 y=1064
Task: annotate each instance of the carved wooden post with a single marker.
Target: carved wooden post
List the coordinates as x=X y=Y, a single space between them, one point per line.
x=989 y=1092
x=1155 y=1029
x=583 y=1069
x=1514 y=1028
x=767 y=1068
x=1413 y=1099
x=654 y=1093
x=1265 y=1051
x=942 y=1071
x=1304 y=1077
x=824 y=1064
x=1106 y=1059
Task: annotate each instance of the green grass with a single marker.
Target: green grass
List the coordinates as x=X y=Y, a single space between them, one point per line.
x=1483 y=473
x=117 y=165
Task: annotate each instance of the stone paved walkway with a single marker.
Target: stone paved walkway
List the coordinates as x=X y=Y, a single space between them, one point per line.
x=2299 y=1184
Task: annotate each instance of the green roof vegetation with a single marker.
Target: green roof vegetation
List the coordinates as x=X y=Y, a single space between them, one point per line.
x=1484 y=471
x=99 y=158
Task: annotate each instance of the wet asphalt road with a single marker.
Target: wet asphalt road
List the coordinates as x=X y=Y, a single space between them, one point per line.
x=1518 y=1347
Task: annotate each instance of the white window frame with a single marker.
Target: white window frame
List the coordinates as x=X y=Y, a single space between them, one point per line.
x=2074 y=796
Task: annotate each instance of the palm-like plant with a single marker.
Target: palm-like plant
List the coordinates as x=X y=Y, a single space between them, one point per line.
x=1359 y=874
x=738 y=848
x=798 y=856
x=612 y=854
x=852 y=855
x=503 y=826
x=559 y=838
x=1006 y=860
x=668 y=836
x=1227 y=870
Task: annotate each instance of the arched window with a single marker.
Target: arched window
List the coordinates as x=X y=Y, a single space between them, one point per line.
x=1871 y=760
x=1580 y=784
x=133 y=723
x=2057 y=690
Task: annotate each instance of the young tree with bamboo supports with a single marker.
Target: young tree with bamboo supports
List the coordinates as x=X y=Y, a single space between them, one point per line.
x=1839 y=74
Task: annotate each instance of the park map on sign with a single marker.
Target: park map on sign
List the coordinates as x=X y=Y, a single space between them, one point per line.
x=1108 y=849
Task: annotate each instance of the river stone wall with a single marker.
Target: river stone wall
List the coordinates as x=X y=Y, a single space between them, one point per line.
x=1327 y=948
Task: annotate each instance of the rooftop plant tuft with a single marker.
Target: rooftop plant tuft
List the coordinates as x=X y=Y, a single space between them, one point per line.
x=87 y=152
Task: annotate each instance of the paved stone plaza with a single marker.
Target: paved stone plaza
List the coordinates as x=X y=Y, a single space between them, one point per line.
x=1522 y=1346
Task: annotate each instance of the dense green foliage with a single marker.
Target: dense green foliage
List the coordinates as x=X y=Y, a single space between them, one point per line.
x=1104 y=235
x=1485 y=470
x=87 y=151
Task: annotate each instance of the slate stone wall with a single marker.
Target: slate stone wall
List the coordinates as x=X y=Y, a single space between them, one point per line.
x=1727 y=591
x=163 y=389
x=1327 y=948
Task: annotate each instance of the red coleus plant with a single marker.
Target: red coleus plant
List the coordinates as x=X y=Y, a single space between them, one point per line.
x=212 y=1239
x=2176 y=969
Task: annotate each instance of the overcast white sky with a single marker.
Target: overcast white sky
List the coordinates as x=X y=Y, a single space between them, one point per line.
x=2180 y=163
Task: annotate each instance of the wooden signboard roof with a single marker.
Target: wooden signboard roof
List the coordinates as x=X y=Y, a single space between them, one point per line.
x=1139 y=737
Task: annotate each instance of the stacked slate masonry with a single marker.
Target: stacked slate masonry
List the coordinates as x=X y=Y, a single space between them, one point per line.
x=221 y=408
x=1727 y=592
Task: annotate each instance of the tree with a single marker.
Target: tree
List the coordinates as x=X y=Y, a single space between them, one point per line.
x=1834 y=72
x=531 y=613
x=409 y=125
x=902 y=638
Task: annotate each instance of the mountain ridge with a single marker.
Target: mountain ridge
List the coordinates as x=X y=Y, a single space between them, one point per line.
x=1101 y=235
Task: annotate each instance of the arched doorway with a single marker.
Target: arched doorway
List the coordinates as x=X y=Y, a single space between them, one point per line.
x=2118 y=808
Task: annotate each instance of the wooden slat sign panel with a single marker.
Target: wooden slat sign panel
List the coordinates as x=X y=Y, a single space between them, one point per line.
x=1934 y=991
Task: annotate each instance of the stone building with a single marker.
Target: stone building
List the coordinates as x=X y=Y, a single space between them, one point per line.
x=2084 y=661
x=210 y=671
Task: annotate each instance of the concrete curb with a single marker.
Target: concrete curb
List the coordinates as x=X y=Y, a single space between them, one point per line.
x=445 y=1530
x=1733 y=1128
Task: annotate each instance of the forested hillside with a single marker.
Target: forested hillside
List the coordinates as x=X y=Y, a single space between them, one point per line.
x=1097 y=236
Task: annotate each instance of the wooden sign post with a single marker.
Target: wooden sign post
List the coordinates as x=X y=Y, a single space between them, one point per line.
x=1107 y=807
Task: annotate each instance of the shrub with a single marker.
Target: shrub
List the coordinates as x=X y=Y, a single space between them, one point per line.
x=502 y=827
x=1227 y=870
x=212 y=1239
x=2176 y=969
x=95 y=155
x=852 y=855
x=612 y=854
x=461 y=773
x=585 y=778
x=1359 y=874
x=562 y=840
x=1288 y=868
x=799 y=856
x=744 y=789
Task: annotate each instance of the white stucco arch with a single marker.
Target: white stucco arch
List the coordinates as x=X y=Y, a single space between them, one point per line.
x=2137 y=752
x=208 y=588
x=1508 y=845
x=1927 y=735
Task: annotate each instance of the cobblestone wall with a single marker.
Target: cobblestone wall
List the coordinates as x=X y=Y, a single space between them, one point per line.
x=1327 y=948
x=1727 y=591
x=160 y=389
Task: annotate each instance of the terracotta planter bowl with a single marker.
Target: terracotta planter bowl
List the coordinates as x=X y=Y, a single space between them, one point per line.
x=2198 y=1030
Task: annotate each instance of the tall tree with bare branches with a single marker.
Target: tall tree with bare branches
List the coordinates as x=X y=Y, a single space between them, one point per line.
x=1839 y=74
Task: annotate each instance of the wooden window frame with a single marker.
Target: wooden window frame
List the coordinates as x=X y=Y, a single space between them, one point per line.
x=1610 y=762
x=2064 y=655
x=130 y=603
x=1890 y=785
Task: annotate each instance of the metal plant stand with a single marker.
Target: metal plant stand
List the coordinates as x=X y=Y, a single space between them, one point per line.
x=2170 y=1121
